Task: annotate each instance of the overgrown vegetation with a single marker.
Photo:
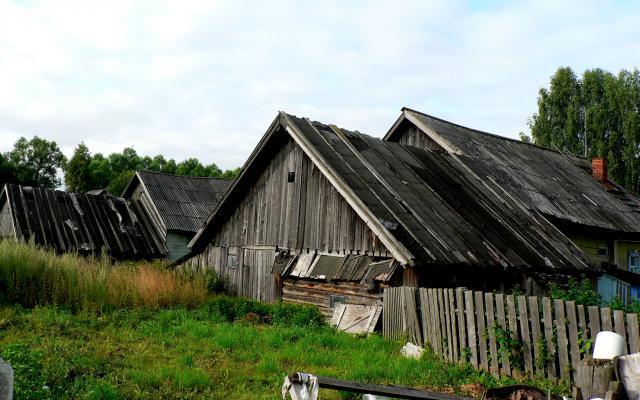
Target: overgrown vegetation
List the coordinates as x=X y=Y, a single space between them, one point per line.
x=583 y=292
x=226 y=348
x=31 y=276
x=84 y=328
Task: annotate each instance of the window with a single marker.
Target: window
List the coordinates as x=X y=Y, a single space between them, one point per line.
x=603 y=252
x=335 y=300
x=232 y=257
x=291 y=177
x=634 y=261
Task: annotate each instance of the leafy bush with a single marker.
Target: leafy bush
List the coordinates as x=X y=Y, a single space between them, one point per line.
x=582 y=292
x=32 y=276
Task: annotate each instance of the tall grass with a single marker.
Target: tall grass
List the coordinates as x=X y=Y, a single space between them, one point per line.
x=32 y=276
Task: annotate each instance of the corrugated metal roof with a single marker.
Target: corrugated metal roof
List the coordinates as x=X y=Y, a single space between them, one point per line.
x=545 y=180
x=84 y=223
x=184 y=202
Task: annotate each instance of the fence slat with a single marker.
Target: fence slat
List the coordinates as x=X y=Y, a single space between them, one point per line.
x=462 y=327
x=491 y=330
x=482 y=337
x=548 y=336
x=525 y=335
x=424 y=314
x=436 y=321
x=574 y=345
x=583 y=330
x=471 y=327
x=453 y=336
x=502 y=323
x=594 y=321
x=537 y=339
x=605 y=314
x=634 y=336
x=619 y=326
x=563 y=349
x=513 y=329
x=446 y=333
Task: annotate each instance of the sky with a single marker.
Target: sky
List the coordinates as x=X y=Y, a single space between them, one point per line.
x=206 y=78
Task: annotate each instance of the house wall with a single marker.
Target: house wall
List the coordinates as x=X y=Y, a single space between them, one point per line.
x=623 y=249
x=177 y=244
x=306 y=214
x=6 y=223
x=320 y=294
x=590 y=247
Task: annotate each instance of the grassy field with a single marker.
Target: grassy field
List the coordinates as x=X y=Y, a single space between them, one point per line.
x=161 y=335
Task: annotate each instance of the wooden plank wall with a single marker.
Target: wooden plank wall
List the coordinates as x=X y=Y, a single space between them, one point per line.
x=303 y=291
x=519 y=336
x=307 y=213
x=250 y=278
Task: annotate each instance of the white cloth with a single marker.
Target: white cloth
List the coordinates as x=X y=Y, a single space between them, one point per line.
x=307 y=390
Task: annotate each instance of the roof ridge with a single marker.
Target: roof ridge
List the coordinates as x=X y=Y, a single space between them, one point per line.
x=493 y=134
x=183 y=176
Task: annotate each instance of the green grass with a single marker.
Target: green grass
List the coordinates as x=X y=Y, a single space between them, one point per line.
x=210 y=352
x=85 y=328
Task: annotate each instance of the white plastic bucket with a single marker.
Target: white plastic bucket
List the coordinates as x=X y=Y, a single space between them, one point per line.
x=608 y=345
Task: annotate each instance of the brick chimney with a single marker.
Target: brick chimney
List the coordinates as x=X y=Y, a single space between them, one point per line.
x=599 y=170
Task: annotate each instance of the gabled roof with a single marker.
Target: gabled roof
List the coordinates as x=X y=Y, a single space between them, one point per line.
x=85 y=223
x=553 y=183
x=425 y=207
x=183 y=202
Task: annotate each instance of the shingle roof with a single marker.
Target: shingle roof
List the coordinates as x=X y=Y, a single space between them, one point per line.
x=184 y=202
x=81 y=222
x=429 y=202
x=554 y=183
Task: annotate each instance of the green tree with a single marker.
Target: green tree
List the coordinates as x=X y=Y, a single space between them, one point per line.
x=77 y=171
x=601 y=110
x=119 y=183
x=37 y=162
x=191 y=167
x=7 y=171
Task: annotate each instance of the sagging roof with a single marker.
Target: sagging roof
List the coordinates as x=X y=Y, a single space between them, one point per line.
x=183 y=202
x=553 y=183
x=84 y=223
x=425 y=207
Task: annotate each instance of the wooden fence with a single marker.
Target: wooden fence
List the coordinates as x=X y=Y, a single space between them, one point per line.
x=503 y=334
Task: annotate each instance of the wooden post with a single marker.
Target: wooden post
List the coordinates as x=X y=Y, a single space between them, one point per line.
x=593 y=377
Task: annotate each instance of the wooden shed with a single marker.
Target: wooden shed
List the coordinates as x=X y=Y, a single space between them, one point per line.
x=74 y=222
x=178 y=205
x=325 y=215
x=575 y=195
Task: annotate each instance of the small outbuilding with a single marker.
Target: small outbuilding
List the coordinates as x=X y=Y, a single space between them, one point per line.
x=75 y=222
x=178 y=205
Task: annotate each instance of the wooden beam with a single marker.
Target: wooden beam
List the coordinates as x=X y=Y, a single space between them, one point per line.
x=399 y=392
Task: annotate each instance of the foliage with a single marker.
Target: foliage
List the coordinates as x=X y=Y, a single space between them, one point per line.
x=193 y=354
x=509 y=346
x=30 y=276
x=35 y=162
x=77 y=171
x=86 y=172
x=581 y=292
x=601 y=109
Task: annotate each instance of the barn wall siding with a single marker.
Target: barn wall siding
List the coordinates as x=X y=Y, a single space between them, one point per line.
x=307 y=213
x=6 y=224
x=177 y=244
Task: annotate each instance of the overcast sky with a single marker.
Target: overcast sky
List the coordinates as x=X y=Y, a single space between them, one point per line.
x=206 y=78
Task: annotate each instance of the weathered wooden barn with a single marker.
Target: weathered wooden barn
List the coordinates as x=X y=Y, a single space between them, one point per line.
x=74 y=222
x=325 y=215
x=178 y=205
x=576 y=196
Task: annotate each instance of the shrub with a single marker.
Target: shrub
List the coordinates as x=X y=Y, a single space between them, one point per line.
x=582 y=292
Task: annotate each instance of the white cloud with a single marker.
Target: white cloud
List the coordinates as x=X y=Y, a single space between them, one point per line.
x=204 y=79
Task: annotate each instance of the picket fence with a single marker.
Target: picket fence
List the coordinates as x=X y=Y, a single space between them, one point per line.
x=508 y=335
